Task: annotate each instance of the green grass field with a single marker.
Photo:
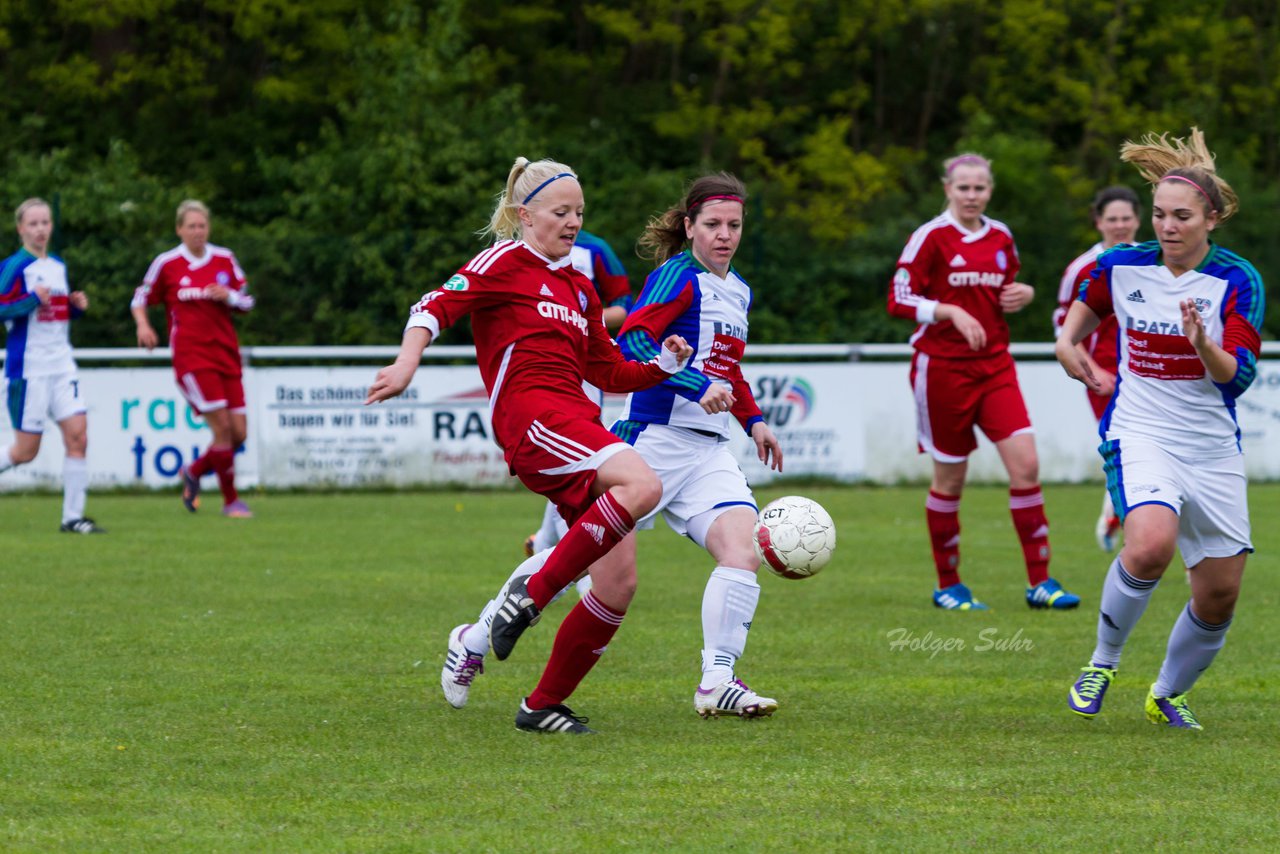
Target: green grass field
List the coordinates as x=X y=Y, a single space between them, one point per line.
x=199 y=684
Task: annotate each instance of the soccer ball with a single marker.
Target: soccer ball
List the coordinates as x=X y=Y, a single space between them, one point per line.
x=794 y=537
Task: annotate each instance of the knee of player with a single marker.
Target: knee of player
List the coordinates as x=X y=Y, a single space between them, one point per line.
x=646 y=491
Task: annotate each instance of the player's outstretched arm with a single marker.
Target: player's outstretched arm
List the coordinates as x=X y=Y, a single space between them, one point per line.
x=392 y=380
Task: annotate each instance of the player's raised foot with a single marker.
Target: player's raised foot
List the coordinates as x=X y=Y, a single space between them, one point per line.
x=1049 y=594
x=957 y=598
x=558 y=718
x=732 y=697
x=1107 y=531
x=190 y=489
x=461 y=666
x=528 y=545
x=81 y=526
x=516 y=612
x=237 y=510
x=1170 y=711
x=1085 y=696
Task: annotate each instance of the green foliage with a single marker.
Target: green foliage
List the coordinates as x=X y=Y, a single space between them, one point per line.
x=351 y=149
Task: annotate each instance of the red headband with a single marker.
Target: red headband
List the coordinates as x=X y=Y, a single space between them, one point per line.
x=726 y=196
x=1199 y=189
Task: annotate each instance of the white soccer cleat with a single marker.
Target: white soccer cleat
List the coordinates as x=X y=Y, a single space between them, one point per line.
x=460 y=667
x=732 y=697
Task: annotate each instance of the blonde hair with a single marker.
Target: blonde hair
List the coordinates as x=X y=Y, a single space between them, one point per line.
x=189 y=205
x=33 y=202
x=967 y=158
x=665 y=235
x=525 y=180
x=1160 y=158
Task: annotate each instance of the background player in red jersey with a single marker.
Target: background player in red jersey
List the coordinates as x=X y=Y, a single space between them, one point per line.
x=201 y=286
x=957 y=277
x=538 y=332
x=1116 y=213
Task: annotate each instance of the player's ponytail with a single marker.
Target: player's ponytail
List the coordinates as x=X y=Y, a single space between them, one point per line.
x=1159 y=158
x=665 y=234
x=525 y=180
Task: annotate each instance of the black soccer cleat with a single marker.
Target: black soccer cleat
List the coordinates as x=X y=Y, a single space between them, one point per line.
x=516 y=613
x=557 y=718
x=81 y=526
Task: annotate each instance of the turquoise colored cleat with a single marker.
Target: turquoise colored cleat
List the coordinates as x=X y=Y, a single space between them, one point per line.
x=1049 y=594
x=957 y=598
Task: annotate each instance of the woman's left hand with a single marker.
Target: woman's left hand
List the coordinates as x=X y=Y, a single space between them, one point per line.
x=1015 y=296
x=767 y=447
x=1193 y=324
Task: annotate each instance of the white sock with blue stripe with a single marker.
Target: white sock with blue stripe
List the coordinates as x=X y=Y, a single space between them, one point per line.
x=1193 y=644
x=728 y=607
x=1124 y=598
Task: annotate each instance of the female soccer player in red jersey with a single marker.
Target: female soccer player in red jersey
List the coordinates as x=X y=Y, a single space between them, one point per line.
x=1115 y=215
x=1190 y=314
x=538 y=333
x=201 y=286
x=957 y=278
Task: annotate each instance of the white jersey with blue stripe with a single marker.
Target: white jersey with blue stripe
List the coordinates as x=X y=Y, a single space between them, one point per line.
x=38 y=341
x=683 y=298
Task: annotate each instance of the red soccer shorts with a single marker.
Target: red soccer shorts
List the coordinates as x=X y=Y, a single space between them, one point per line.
x=208 y=391
x=559 y=456
x=953 y=396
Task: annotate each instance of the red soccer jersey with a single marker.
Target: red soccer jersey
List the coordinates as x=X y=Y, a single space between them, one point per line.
x=538 y=333
x=1102 y=343
x=200 y=331
x=945 y=263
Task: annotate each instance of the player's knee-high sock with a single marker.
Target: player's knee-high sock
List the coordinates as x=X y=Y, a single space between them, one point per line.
x=1193 y=644
x=582 y=638
x=551 y=530
x=202 y=464
x=588 y=539
x=1026 y=506
x=6 y=461
x=75 y=484
x=222 y=459
x=728 y=607
x=1124 y=598
x=942 y=512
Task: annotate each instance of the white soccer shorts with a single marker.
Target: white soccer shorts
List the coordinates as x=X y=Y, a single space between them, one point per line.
x=32 y=402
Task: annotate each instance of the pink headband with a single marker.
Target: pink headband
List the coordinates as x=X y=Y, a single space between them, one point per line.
x=1199 y=189
x=968 y=158
x=726 y=196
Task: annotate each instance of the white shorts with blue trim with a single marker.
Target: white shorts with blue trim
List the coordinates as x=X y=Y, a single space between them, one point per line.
x=32 y=401
x=699 y=476
x=1209 y=495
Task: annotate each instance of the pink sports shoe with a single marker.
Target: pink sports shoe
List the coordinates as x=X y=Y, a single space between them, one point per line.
x=237 y=510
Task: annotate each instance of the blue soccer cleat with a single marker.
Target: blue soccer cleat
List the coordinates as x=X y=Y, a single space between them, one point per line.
x=957 y=598
x=1085 y=696
x=1049 y=594
x=1170 y=711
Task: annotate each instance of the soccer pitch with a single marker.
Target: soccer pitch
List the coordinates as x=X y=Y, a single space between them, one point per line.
x=191 y=683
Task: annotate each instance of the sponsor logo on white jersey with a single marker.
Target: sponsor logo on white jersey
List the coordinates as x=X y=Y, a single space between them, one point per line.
x=546 y=291
x=596 y=532
x=1135 y=296
x=555 y=311
x=958 y=261
x=1157 y=327
x=986 y=280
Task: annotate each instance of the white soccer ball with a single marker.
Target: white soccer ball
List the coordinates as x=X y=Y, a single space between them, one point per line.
x=794 y=537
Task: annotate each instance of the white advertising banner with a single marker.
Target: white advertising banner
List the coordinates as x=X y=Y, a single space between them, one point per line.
x=308 y=427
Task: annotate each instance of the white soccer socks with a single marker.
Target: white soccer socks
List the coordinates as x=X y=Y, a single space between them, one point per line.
x=728 y=607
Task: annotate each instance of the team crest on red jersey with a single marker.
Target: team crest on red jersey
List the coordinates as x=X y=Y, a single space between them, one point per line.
x=457 y=282
x=1002 y=260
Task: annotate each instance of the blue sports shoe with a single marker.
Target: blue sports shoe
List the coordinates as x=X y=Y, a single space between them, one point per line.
x=1049 y=594
x=1170 y=711
x=958 y=598
x=1085 y=697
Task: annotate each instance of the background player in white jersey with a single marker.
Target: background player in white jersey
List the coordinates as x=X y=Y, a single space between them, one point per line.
x=37 y=306
x=538 y=334
x=957 y=278
x=681 y=429
x=1190 y=314
x=1116 y=211
x=594 y=258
